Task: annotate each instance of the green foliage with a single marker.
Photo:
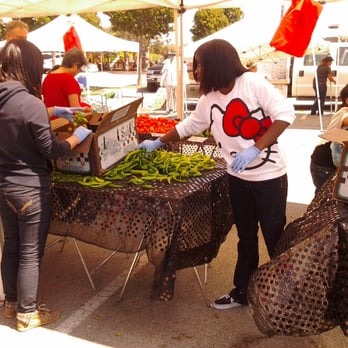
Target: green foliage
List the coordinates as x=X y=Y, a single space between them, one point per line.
x=36 y=22
x=208 y=21
x=160 y=46
x=2 y=29
x=142 y=25
x=33 y=23
x=233 y=14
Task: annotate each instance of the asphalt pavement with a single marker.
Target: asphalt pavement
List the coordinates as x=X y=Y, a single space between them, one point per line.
x=99 y=319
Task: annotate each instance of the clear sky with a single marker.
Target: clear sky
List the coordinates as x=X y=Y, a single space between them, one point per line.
x=104 y=20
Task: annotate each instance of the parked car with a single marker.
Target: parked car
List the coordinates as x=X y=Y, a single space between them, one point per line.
x=153 y=77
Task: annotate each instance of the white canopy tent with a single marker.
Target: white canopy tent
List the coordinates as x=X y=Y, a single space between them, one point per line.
x=50 y=36
x=30 y=8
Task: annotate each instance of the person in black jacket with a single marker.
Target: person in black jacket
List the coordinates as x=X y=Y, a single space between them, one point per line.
x=26 y=148
x=323 y=74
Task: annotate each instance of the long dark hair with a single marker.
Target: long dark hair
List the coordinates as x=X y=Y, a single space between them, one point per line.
x=220 y=65
x=22 y=61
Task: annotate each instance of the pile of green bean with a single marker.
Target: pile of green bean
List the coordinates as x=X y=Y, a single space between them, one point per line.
x=140 y=168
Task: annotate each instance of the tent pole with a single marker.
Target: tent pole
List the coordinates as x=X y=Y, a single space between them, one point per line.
x=181 y=69
x=179 y=64
x=317 y=89
x=337 y=68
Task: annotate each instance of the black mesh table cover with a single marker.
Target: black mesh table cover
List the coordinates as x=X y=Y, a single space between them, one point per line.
x=303 y=289
x=179 y=224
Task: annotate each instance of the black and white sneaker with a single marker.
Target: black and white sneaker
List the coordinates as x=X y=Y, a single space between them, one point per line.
x=235 y=298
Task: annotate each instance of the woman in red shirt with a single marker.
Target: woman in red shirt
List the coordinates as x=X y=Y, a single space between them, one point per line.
x=60 y=86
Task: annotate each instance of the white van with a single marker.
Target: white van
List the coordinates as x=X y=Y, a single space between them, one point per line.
x=302 y=71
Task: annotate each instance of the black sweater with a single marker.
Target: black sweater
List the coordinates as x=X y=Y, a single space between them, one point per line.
x=27 y=143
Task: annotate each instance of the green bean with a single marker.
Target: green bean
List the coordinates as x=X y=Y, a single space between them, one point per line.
x=140 y=167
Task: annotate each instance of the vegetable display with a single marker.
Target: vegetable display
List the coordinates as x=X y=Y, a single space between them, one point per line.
x=142 y=168
x=79 y=119
x=147 y=124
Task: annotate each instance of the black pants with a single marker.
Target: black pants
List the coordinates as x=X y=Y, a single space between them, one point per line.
x=322 y=96
x=255 y=202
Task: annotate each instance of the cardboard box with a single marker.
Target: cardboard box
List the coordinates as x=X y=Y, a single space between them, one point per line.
x=337 y=135
x=114 y=136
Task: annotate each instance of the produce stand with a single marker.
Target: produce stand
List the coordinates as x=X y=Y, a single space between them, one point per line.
x=179 y=225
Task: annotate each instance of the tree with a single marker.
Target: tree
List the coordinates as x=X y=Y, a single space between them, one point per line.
x=208 y=21
x=142 y=26
x=233 y=14
x=36 y=22
x=93 y=19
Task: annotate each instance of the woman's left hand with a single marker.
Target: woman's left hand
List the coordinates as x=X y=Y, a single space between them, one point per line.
x=243 y=158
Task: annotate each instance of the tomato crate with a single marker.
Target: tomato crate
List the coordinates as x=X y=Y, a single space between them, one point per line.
x=152 y=124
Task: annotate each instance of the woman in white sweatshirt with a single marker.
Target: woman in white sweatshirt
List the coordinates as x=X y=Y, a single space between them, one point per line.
x=246 y=114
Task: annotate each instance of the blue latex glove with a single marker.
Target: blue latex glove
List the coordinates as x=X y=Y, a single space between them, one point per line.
x=82 y=133
x=150 y=145
x=243 y=158
x=65 y=112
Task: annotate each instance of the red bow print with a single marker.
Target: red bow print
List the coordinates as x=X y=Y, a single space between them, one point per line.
x=239 y=121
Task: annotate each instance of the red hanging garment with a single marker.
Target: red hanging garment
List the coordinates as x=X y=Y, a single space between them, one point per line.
x=296 y=27
x=71 y=39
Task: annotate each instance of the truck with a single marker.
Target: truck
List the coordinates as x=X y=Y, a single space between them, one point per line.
x=153 y=77
x=294 y=75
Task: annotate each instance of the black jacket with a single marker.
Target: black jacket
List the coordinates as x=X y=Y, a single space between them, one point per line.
x=27 y=143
